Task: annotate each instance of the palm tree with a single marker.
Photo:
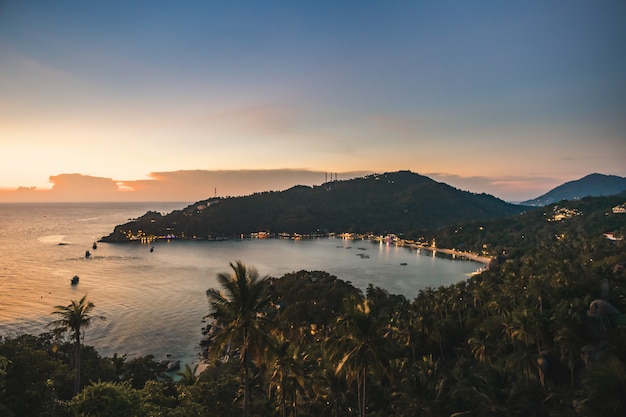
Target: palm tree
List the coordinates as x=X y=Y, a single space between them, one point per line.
x=567 y=326
x=239 y=309
x=479 y=344
x=188 y=376
x=288 y=373
x=358 y=348
x=420 y=389
x=604 y=386
x=74 y=317
x=480 y=293
x=328 y=387
x=459 y=295
x=524 y=326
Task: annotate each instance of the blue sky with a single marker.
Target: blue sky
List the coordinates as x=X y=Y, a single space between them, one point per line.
x=508 y=98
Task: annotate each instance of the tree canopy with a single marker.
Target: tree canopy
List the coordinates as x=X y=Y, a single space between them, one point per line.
x=541 y=332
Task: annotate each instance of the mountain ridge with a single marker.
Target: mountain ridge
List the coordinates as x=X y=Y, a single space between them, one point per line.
x=592 y=185
x=396 y=202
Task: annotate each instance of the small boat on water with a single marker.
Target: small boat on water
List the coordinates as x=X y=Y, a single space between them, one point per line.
x=75 y=279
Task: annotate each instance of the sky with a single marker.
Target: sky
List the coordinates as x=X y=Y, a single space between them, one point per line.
x=181 y=101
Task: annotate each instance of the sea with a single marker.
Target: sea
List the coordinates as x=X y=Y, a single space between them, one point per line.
x=154 y=301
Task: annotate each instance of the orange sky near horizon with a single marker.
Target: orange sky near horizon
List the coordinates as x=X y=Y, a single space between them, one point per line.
x=170 y=102
x=196 y=185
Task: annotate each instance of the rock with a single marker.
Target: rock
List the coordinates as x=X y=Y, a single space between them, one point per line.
x=172 y=366
x=593 y=353
x=601 y=308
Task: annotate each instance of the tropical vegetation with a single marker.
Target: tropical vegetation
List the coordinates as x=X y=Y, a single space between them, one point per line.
x=240 y=311
x=540 y=333
x=74 y=318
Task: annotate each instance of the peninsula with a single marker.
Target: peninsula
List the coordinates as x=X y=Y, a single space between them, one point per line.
x=401 y=203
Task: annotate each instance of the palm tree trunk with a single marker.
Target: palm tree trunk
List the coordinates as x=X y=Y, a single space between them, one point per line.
x=364 y=402
x=359 y=393
x=283 y=399
x=77 y=363
x=246 y=394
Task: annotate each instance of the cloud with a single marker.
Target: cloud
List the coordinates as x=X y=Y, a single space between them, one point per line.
x=195 y=185
x=73 y=183
x=184 y=185
x=66 y=187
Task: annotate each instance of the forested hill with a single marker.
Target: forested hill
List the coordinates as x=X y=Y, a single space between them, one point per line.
x=593 y=185
x=586 y=221
x=398 y=202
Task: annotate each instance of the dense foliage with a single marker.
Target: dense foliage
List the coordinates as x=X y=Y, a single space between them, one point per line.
x=583 y=221
x=387 y=203
x=540 y=333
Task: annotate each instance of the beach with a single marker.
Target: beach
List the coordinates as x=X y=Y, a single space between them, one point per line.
x=453 y=253
x=456 y=254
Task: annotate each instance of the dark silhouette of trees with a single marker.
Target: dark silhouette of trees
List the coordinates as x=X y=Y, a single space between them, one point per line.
x=74 y=318
x=239 y=309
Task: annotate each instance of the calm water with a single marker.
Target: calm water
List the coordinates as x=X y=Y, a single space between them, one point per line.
x=154 y=302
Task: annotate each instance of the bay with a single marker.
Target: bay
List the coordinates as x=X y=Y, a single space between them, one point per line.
x=154 y=301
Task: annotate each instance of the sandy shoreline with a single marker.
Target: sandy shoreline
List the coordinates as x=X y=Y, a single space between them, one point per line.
x=455 y=253
x=452 y=252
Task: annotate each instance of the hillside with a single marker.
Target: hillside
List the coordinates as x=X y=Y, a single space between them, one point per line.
x=589 y=218
x=398 y=202
x=593 y=185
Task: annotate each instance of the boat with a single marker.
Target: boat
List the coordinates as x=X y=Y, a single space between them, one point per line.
x=75 y=279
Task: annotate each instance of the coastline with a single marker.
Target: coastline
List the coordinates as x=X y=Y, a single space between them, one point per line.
x=485 y=260
x=456 y=254
x=453 y=253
